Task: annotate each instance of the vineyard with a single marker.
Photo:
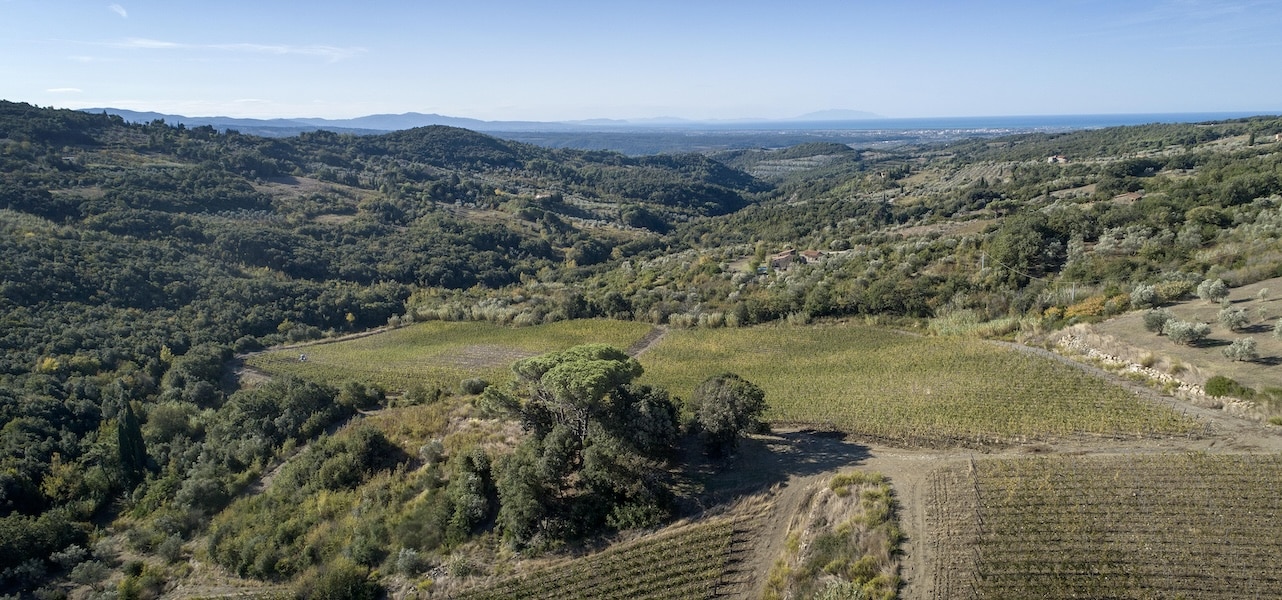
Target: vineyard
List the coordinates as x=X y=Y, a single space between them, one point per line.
x=906 y=390
x=1143 y=526
x=685 y=561
x=440 y=354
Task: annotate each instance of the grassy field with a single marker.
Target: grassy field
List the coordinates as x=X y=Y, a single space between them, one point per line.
x=906 y=389
x=1141 y=526
x=441 y=354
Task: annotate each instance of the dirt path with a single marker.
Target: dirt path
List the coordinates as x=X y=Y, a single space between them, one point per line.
x=908 y=473
x=789 y=466
x=647 y=341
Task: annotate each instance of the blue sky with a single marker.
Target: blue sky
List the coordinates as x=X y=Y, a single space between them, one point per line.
x=555 y=60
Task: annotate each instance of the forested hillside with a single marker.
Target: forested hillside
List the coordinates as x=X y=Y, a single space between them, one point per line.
x=137 y=260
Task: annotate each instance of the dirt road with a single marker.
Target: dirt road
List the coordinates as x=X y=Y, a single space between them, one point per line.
x=789 y=465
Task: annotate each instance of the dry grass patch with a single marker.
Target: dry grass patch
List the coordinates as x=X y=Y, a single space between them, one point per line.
x=846 y=545
x=1125 y=336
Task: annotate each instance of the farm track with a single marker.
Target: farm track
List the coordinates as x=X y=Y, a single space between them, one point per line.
x=648 y=341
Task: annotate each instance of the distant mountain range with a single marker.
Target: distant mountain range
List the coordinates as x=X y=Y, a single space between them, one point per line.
x=373 y=124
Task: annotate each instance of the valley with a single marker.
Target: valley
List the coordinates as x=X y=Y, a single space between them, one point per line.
x=434 y=363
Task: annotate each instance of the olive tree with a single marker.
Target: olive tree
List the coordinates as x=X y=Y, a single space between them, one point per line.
x=1242 y=349
x=1212 y=290
x=1233 y=318
x=1144 y=296
x=1186 y=333
x=1156 y=319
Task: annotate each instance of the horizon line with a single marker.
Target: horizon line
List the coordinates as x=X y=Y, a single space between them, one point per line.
x=802 y=118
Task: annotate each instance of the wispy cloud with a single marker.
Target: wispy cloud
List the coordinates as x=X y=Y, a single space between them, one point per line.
x=64 y=90
x=120 y=10
x=149 y=44
x=331 y=53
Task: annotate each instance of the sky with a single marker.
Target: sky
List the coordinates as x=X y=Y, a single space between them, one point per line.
x=626 y=59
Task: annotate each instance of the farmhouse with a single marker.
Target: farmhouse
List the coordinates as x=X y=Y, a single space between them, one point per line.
x=783 y=260
x=789 y=257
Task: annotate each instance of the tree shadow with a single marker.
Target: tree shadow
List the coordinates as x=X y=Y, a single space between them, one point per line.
x=1271 y=361
x=1210 y=343
x=1257 y=328
x=762 y=461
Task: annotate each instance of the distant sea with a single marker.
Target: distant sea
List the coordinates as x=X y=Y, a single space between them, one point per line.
x=654 y=138
x=1023 y=122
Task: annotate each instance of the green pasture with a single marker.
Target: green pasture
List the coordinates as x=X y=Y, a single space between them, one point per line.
x=440 y=353
x=903 y=388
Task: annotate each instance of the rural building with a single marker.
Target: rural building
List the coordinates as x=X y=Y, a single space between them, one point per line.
x=789 y=257
x=783 y=260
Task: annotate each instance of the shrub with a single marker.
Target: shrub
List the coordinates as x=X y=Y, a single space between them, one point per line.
x=69 y=557
x=359 y=395
x=472 y=387
x=1212 y=291
x=1242 y=349
x=1157 y=318
x=409 y=562
x=1220 y=386
x=1116 y=304
x=342 y=578
x=419 y=394
x=89 y=572
x=1170 y=291
x=1277 y=329
x=1090 y=307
